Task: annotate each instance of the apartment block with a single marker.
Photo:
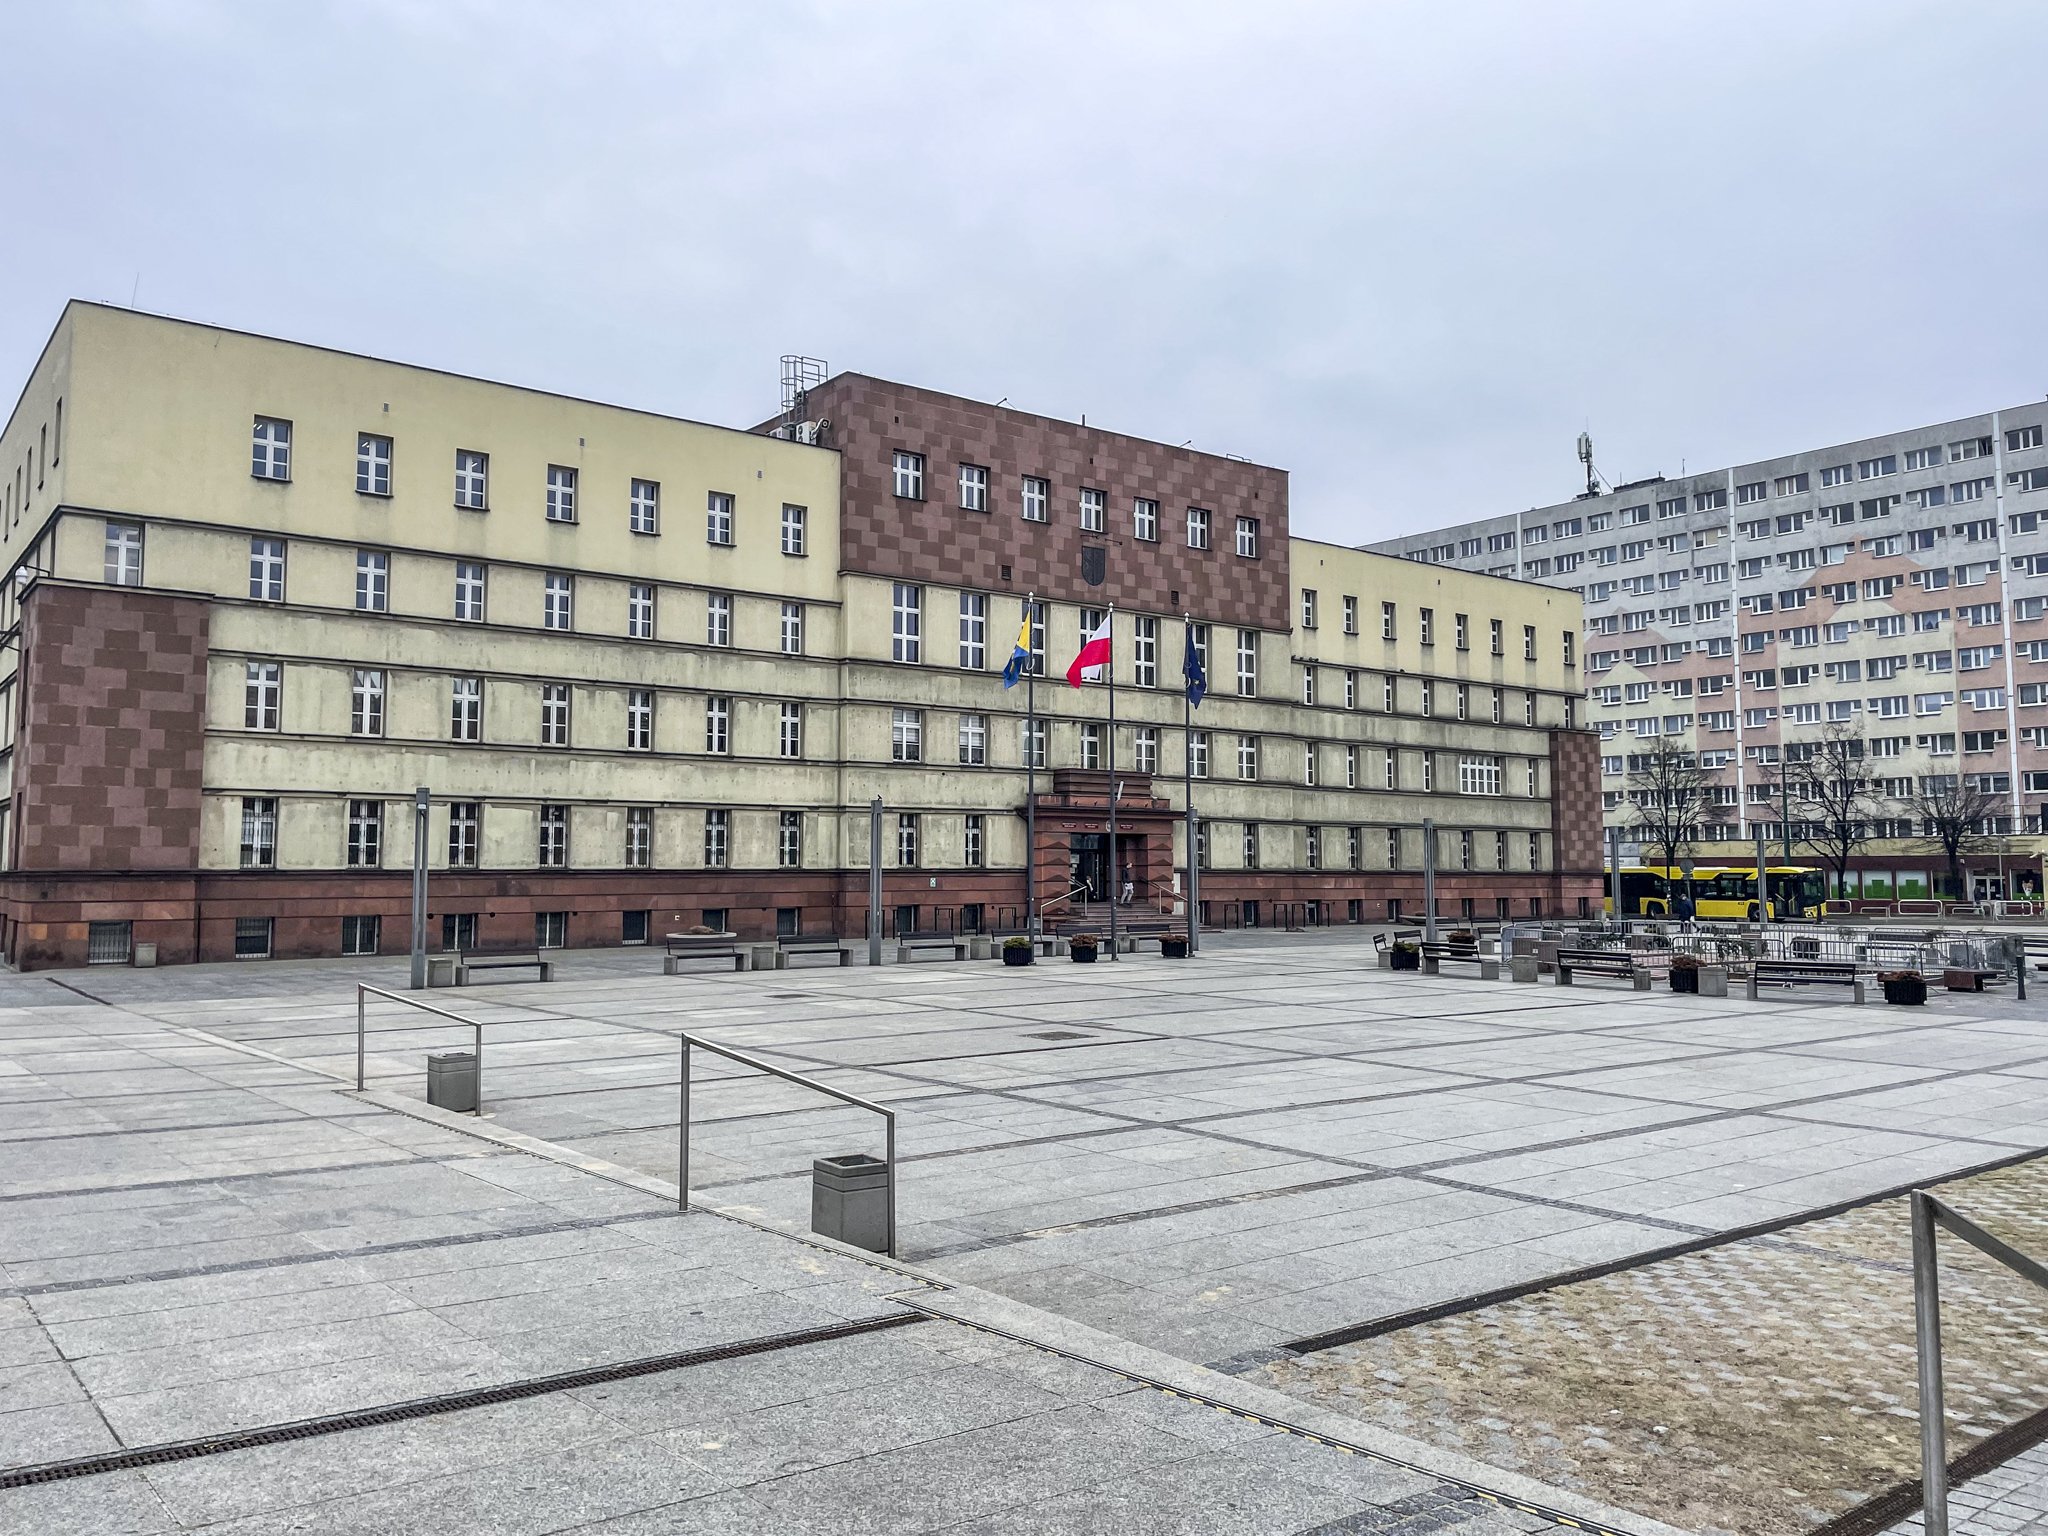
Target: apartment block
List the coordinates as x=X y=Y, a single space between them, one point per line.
x=652 y=672
x=1895 y=587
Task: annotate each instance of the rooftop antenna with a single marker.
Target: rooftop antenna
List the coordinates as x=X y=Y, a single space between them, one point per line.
x=800 y=375
x=1586 y=458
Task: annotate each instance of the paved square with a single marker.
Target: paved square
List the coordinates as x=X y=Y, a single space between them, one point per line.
x=201 y=1230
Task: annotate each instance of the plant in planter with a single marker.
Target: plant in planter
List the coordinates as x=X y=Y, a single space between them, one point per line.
x=1462 y=938
x=1406 y=956
x=1906 y=988
x=1017 y=950
x=1081 y=948
x=1173 y=946
x=1685 y=973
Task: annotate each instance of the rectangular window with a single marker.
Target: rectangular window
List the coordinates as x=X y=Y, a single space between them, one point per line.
x=1032 y=742
x=1251 y=845
x=1037 y=498
x=2022 y=437
x=973 y=631
x=1247 y=757
x=973 y=841
x=718 y=518
x=1461 y=627
x=1091 y=745
x=1351 y=767
x=1145 y=520
x=263 y=695
x=1427 y=626
x=1308 y=607
x=906 y=842
x=789 y=740
x=123 y=564
x=1350 y=615
x=789 y=839
x=1145 y=651
x=909 y=475
x=718 y=618
x=1479 y=776
x=1146 y=754
x=1248 y=537
x=1311 y=757
x=639 y=852
x=1198 y=754
x=906 y=736
x=1093 y=510
x=1312 y=849
x=366 y=702
x=266 y=570
x=1528 y=642
x=365 y=834
x=360 y=935
x=643 y=507
x=792 y=629
x=554 y=715
x=553 y=849
x=640 y=610
x=469 y=591
x=639 y=719
x=271 y=449
x=466 y=709
x=465 y=833
x=253 y=937
x=1198 y=527
x=1247 y=663
x=259 y=832
x=974 y=740
x=1308 y=683
x=1386 y=621
x=558 y=601
x=718 y=725
x=717 y=839
x=472 y=480
x=793 y=519
x=906 y=623
x=373 y=465
x=561 y=494
x=1350 y=690
x=373 y=581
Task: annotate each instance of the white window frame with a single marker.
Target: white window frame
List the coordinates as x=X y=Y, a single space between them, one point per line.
x=974 y=631
x=907 y=474
x=794 y=518
x=640 y=610
x=974 y=487
x=639 y=719
x=465 y=709
x=472 y=578
x=123 y=555
x=718 y=618
x=561 y=499
x=792 y=629
x=472 y=480
x=373 y=464
x=266 y=570
x=270 y=447
x=718 y=519
x=906 y=623
x=366 y=701
x=558 y=601
x=263 y=695
x=643 y=507
x=373 y=581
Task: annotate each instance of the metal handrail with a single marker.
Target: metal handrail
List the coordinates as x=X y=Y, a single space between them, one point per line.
x=364 y=989
x=683 y=1131
x=1066 y=895
x=1929 y=1213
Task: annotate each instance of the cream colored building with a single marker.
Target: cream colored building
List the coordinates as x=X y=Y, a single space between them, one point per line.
x=261 y=591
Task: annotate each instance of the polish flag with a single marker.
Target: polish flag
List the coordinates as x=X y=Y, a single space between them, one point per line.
x=1093 y=658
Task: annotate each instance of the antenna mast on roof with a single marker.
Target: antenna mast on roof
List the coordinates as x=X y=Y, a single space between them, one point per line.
x=800 y=375
x=1586 y=458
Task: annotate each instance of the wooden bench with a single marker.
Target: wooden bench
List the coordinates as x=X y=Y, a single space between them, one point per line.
x=1805 y=973
x=1434 y=954
x=788 y=947
x=1380 y=941
x=1601 y=962
x=684 y=947
x=1966 y=978
x=910 y=945
x=514 y=958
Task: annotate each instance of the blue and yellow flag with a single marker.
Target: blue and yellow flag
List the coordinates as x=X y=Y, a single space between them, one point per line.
x=1020 y=658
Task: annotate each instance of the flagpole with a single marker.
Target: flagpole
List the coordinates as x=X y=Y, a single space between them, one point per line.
x=1115 y=869
x=1030 y=776
x=1187 y=762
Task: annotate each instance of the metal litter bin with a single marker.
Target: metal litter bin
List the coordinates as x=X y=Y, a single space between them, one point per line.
x=451 y=1081
x=850 y=1200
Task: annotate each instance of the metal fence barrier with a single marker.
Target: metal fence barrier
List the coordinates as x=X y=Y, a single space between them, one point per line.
x=1928 y=1214
x=364 y=989
x=683 y=1149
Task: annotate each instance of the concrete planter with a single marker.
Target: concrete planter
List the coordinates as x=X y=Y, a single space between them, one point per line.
x=1713 y=980
x=1522 y=967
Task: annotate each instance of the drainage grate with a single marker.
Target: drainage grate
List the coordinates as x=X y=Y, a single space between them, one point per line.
x=448 y=1402
x=1057 y=1034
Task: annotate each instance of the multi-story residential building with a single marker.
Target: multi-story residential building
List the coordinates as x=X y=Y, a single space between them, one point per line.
x=653 y=671
x=1894 y=588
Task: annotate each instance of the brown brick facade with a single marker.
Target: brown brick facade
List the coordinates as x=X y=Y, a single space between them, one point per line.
x=1575 y=802
x=936 y=540
x=110 y=744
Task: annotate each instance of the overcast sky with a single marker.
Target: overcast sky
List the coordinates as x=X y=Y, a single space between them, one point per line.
x=1406 y=251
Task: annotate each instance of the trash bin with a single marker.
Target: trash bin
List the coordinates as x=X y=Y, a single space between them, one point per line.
x=145 y=954
x=451 y=1081
x=850 y=1200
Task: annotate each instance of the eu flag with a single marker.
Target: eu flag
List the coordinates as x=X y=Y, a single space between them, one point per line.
x=1191 y=669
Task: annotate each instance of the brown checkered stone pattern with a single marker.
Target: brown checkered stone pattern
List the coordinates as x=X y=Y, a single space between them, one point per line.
x=110 y=747
x=937 y=541
x=1575 y=800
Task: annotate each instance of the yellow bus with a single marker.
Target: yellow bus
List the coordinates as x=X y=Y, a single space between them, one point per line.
x=1644 y=892
x=1796 y=891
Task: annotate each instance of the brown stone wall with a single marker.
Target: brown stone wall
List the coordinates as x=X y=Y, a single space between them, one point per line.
x=111 y=739
x=1575 y=815
x=936 y=540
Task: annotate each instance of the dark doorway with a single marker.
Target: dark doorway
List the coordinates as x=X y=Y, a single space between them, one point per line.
x=1088 y=865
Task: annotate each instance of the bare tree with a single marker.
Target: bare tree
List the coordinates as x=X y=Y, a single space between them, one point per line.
x=1952 y=813
x=1668 y=792
x=1833 y=794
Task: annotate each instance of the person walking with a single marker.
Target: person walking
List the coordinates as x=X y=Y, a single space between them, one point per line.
x=1129 y=889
